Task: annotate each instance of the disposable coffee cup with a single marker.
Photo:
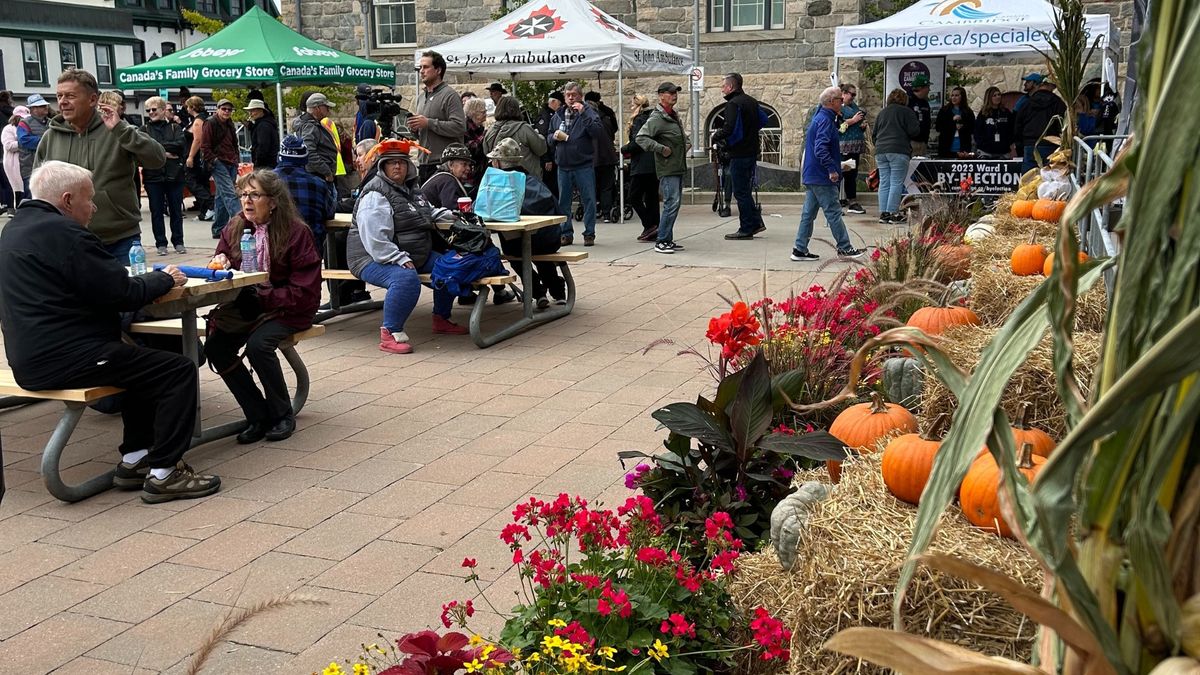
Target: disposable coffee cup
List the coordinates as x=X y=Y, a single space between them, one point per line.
x=464 y=204
x=560 y=135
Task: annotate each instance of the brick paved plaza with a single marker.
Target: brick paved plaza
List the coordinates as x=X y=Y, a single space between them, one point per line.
x=402 y=466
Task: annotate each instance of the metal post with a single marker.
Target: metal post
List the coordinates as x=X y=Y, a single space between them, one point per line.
x=282 y=114
x=366 y=14
x=620 y=132
x=697 y=149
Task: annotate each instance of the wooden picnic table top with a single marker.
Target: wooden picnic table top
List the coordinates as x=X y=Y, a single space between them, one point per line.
x=197 y=288
x=342 y=221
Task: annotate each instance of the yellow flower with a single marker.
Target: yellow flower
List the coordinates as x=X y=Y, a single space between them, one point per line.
x=552 y=642
x=474 y=666
x=607 y=652
x=556 y=623
x=659 y=651
x=332 y=669
x=362 y=669
x=487 y=651
x=475 y=640
x=534 y=658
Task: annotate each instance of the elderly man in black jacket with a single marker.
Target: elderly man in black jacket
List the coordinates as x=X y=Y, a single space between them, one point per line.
x=60 y=298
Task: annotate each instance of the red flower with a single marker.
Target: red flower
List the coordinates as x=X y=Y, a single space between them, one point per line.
x=614 y=601
x=678 y=626
x=735 y=330
x=588 y=581
x=512 y=533
x=725 y=560
x=652 y=556
x=576 y=633
x=469 y=563
x=453 y=612
x=771 y=634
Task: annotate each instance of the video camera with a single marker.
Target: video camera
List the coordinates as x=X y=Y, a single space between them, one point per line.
x=384 y=107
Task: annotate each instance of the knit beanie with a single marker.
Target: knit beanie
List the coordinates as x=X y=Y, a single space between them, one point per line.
x=292 y=147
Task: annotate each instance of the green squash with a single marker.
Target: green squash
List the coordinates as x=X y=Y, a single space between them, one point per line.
x=903 y=379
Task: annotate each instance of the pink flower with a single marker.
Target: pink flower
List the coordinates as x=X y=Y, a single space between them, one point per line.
x=771 y=634
x=633 y=478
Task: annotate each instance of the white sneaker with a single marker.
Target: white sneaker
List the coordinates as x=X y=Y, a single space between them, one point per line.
x=664 y=247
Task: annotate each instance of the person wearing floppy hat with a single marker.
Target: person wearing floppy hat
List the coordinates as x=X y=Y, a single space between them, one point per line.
x=391 y=243
x=918 y=100
x=508 y=155
x=264 y=135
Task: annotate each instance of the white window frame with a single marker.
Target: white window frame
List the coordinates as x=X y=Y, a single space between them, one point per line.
x=78 y=54
x=380 y=6
x=723 y=15
x=107 y=51
x=41 y=50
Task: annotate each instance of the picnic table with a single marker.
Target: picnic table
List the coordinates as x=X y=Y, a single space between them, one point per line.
x=529 y=318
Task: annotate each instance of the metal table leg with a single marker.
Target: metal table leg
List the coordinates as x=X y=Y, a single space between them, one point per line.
x=528 y=318
x=52 y=455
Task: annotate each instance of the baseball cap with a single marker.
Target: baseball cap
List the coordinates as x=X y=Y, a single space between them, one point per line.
x=35 y=100
x=319 y=99
x=224 y=102
x=668 y=87
x=1035 y=77
x=255 y=105
x=920 y=81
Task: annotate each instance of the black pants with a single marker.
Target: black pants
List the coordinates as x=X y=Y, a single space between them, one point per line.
x=850 y=178
x=545 y=277
x=166 y=198
x=606 y=181
x=643 y=192
x=270 y=404
x=336 y=259
x=196 y=179
x=159 y=410
x=6 y=191
x=550 y=178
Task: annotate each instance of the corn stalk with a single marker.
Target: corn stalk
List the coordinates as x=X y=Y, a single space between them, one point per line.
x=1109 y=516
x=1068 y=59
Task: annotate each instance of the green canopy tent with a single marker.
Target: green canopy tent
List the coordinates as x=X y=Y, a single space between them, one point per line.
x=256 y=49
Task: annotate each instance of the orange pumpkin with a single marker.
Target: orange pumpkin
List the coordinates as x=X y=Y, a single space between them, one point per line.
x=935 y=320
x=1049 y=210
x=954 y=262
x=979 y=495
x=862 y=426
x=1042 y=442
x=908 y=461
x=1048 y=266
x=1028 y=259
x=1022 y=208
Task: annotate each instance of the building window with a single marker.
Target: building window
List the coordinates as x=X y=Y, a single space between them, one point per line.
x=770 y=137
x=166 y=4
x=207 y=6
x=395 y=23
x=68 y=53
x=731 y=15
x=139 y=52
x=104 y=64
x=235 y=7
x=34 y=55
x=167 y=48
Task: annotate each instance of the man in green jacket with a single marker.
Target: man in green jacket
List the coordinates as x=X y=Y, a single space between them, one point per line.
x=662 y=135
x=96 y=138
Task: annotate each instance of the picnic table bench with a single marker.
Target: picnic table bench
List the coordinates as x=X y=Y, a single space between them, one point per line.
x=529 y=317
x=184 y=301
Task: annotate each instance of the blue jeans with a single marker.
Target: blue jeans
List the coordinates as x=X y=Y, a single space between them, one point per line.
x=672 y=192
x=585 y=180
x=825 y=196
x=226 y=205
x=120 y=249
x=403 y=290
x=741 y=170
x=892 y=169
x=1043 y=150
x=166 y=197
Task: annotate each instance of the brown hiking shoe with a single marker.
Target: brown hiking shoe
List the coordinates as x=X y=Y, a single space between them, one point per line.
x=182 y=483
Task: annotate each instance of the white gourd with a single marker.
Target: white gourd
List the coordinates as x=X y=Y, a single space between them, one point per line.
x=790 y=515
x=978 y=231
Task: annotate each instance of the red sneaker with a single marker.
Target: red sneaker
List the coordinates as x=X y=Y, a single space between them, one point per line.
x=447 y=327
x=389 y=343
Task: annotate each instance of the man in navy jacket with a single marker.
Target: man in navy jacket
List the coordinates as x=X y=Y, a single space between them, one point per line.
x=822 y=172
x=573 y=130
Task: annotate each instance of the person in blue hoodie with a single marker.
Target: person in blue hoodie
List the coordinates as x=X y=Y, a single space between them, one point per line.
x=573 y=130
x=821 y=172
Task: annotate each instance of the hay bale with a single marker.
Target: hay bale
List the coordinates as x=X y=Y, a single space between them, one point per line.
x=996 y=292
x=1032 y=382
x=850 y=555
x=1007 y=224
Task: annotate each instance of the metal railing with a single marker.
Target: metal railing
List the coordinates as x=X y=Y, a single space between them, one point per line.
x=1093 y=157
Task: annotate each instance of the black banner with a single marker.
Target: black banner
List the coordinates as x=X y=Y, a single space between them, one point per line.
x=947 y=176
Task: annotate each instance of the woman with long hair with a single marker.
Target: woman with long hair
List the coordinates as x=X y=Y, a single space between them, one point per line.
x=955 y=125
x=643 y=180
x=265 y=315
x=196 y=174
x=510 y=123
x=896 y=127
x=12 y=156
x=994 y=127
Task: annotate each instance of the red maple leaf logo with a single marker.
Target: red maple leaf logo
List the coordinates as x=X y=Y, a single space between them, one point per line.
x=611 y=24
x=537 y=25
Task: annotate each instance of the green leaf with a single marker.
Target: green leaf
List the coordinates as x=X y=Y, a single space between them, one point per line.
x=687 y=419
x=640 y=638
x=750 y=412
x=791 y=383
x=818 y=445
x=727 y=389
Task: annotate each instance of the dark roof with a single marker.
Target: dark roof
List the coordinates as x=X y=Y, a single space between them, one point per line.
x=30 y=19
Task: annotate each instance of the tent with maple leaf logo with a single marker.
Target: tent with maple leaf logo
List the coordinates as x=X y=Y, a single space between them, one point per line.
x=546 y=39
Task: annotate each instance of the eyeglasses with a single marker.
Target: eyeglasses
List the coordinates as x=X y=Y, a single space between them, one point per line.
x=251 y=195
x=151 y=109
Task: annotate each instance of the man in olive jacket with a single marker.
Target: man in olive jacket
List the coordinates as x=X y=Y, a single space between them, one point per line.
x=96 y=138
x=662 y=135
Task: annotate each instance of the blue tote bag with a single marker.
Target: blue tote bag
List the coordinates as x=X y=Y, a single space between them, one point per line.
x=500 y=196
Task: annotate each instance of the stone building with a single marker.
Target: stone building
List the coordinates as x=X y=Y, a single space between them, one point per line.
x=783 y=48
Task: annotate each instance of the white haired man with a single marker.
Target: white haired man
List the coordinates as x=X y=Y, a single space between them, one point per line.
x=60 y=294
x=821 y=173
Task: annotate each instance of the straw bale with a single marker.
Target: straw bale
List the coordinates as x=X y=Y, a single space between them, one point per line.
x=996 y=292
x=1034 y=380
x=1007 y=224
x=849 y=560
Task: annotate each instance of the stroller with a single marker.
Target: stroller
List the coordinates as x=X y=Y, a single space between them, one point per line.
x=614 y=212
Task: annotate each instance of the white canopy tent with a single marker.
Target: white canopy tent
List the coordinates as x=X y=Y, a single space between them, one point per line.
x=964 y=28
x=554 y=39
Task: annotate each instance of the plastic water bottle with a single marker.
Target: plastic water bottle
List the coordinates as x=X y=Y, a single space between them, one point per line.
x=249 y=256
x=137 y=258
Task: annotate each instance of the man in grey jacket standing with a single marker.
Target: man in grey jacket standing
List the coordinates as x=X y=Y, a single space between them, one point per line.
x=440 y=120
x=322 y=153
x=662 y=135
